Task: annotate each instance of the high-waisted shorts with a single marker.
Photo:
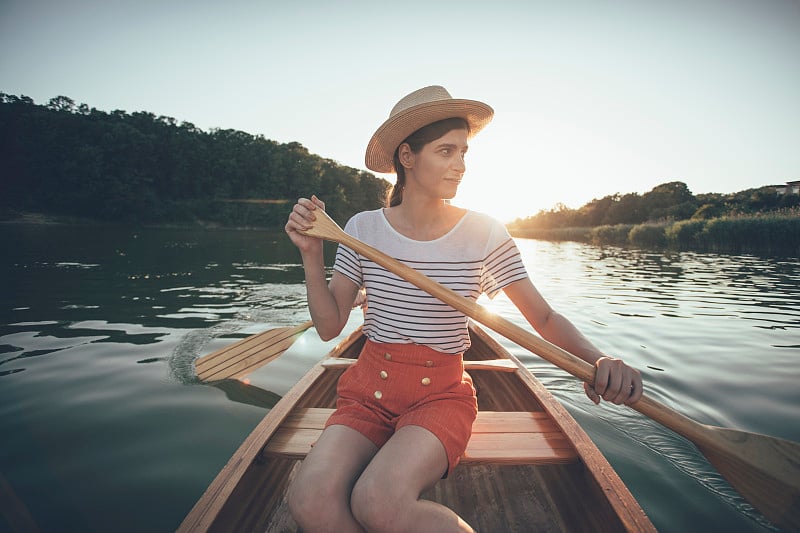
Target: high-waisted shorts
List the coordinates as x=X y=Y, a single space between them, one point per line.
x=396 y=385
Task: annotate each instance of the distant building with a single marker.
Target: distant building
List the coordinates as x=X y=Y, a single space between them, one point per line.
x=791 y=187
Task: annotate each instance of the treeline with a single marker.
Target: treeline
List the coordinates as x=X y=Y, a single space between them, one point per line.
x=666 y=202
x=754 y=220
x=67 y=159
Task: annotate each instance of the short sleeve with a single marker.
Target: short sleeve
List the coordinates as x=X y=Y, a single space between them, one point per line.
x=347 y=261
x=503 y=264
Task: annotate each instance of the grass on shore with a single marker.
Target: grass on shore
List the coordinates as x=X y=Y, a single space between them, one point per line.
x=769 y=233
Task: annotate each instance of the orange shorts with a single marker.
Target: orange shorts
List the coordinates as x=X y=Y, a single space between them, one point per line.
x=396 y=385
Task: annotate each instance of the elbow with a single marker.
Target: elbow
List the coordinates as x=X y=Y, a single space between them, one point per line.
x=326 y=336
x=328 y=332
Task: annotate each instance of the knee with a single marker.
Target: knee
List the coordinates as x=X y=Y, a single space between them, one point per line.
x=315 y=506
x=375 y=506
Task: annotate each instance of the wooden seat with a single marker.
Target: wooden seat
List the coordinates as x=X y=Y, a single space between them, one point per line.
x=506 y=437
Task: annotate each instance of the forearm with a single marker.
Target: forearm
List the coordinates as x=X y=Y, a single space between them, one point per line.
x=614 y=380
x=560 y=331
x=322 y=304
x=550 y=324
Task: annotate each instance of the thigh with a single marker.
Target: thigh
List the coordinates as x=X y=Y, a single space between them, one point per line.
x=335 y=462
x=413 y=460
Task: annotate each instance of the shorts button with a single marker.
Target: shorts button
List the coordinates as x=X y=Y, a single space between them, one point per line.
x=425 y=382
x=384 y=374
x=387 y=356
x=378 y=395
x=429 y=363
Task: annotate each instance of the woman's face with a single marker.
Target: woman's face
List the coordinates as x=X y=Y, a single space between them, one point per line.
x=439 y=166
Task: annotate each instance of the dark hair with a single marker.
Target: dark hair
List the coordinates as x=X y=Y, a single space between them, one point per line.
x=416 y=141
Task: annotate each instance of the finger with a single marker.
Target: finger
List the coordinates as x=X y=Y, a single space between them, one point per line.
x=601 y=376
x=317 y=201
x=298 y=221
x=590 y=392
x=618 y=386
x=637 y=388
x=305 y=208
x=631 y=384
x=305 y=212
x=623 y=395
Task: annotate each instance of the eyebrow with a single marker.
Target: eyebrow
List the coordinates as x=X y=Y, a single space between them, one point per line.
x=451 y=145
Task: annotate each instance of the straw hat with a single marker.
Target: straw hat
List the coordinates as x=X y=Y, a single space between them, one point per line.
x=420 y=108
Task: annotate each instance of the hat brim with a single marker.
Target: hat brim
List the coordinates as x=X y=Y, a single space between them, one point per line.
x=381 y=148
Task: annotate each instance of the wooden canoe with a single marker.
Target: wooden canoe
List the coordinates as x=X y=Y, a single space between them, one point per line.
x=529 y=465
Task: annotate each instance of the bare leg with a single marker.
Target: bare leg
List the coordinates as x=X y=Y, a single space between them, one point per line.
x=319 y=497
x=387 y=495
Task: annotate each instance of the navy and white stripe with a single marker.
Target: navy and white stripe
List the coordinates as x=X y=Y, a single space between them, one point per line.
x=399 y=312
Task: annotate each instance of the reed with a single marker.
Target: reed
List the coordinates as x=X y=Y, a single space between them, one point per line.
x=616 y=235
x=649 y=235
x=685 y=234
x=555 y=234
x=774 y=233
x=765 y=233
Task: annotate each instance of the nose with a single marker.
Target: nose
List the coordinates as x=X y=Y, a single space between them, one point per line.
x=459 y=163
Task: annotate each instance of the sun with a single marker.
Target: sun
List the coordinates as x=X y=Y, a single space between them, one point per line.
x=508 y=188
x=514 y=172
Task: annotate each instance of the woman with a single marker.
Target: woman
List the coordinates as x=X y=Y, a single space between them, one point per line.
x=405 y=410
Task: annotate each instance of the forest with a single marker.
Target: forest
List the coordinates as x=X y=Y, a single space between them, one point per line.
x=69 y=160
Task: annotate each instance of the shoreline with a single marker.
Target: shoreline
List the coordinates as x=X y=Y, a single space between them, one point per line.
x=26 y=218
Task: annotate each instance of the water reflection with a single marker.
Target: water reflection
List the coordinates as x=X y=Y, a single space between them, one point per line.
x=245 y=393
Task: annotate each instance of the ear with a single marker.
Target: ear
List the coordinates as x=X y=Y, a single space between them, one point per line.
x=405 y=155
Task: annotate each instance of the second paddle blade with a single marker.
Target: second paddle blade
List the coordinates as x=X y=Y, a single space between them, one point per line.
x=244 y=356
x=765 y=470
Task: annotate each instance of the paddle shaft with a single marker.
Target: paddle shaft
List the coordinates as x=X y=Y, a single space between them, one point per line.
x=552 y=353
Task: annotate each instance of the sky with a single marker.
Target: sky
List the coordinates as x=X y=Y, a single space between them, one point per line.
x=591 y=97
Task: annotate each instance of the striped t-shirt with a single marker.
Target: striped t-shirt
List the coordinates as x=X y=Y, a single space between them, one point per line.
x=476 y=256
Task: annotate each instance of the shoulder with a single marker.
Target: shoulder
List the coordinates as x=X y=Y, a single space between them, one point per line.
x=483 y=218
x=484 y=224
x=364 y=219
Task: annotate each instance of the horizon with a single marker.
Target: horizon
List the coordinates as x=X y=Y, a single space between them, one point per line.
x=590 y=99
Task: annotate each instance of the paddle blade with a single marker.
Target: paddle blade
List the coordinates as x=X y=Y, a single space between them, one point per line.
x=764 y=470
x=246 y=355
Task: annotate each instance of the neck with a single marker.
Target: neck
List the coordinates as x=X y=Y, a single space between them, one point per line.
x=423 y=219
x=423 y=211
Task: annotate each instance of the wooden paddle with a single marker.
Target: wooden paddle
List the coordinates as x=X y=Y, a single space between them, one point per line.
x=246 y=355
x=765 y=470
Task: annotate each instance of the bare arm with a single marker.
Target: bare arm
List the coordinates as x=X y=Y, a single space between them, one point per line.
x=329 y=303
x=614 y=380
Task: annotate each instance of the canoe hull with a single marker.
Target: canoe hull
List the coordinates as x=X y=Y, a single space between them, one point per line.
x=583 y=495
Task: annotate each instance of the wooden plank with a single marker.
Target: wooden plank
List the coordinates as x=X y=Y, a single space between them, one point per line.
x=500 y=365
x=486 y=422
x=519 y=449
x=498 y=437
x=513 y=422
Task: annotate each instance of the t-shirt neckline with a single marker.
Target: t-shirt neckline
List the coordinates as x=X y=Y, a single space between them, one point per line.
x=437 y=239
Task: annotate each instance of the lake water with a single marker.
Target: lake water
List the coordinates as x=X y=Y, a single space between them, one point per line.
x=105 y=428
